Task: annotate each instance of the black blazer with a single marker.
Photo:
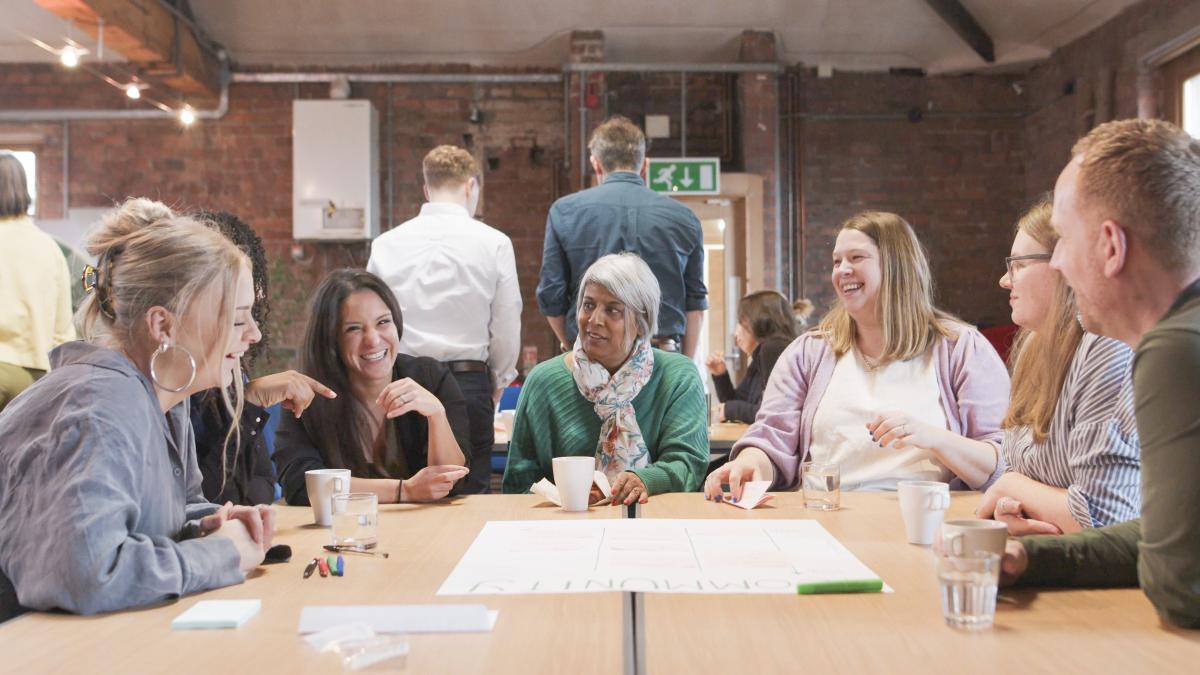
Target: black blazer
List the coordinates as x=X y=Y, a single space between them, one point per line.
x=249 y=476
x=296 y=453
x=742 y=403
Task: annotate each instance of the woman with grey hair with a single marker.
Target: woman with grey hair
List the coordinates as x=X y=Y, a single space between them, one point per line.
x=640 y=411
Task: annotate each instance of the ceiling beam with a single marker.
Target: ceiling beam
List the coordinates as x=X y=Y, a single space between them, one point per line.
x=147 y=34
x=958 y=18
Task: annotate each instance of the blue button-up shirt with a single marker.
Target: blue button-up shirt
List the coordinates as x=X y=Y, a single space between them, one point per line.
x=622 y=214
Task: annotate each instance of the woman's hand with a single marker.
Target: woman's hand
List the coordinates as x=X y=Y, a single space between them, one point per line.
x=404 y=396
x=628 y=488
x=431 y=483
x=716 y=363
x=898 y=430
x=735 y=473
x=295 y=391
x=1010 y=512
x=250 y=552
x=259 y=521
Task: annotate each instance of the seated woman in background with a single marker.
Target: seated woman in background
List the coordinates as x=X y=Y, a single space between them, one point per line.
x=639 y=411
x=888 y=386
x=1070 y=437
x=766 y=324
x=100 y=500
x=398 y=422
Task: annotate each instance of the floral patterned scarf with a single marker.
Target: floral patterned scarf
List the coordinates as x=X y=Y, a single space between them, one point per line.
x=620 y=447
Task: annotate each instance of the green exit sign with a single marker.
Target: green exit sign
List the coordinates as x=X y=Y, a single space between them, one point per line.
x=685 y=176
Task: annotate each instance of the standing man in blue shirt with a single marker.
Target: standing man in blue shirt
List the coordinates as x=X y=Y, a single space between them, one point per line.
x=622 y=214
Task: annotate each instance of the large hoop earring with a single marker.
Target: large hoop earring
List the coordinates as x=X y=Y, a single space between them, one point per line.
x=163 y=349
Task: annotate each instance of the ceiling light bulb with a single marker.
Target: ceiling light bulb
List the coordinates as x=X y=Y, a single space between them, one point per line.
x=69 y=56
x=133 y=91
x=187 y=116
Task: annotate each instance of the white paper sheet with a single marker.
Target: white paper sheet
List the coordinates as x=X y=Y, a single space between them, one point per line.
x=651 y=555
x=754 y=494
x=400 y=618
x=549 y=491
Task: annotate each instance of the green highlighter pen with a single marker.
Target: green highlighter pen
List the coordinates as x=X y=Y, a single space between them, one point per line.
x=846 y=586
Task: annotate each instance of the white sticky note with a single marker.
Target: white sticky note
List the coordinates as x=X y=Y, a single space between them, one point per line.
x=447 y=618
x=754 y=494
x=217 y=614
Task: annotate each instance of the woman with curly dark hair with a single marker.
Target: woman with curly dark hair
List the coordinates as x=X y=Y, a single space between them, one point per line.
x=245 y=474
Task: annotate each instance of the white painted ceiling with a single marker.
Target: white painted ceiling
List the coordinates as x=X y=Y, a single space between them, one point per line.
x=846 y=34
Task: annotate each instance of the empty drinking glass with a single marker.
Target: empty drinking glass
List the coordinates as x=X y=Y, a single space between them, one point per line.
x=968 y=588
x=822 y=485
x=356 y=520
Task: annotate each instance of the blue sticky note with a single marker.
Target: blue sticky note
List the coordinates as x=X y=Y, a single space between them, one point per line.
x=217 y=614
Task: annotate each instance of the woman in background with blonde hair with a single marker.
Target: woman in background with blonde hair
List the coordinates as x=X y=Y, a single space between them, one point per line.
x=888 y=386
x=35 y=288
x=766 y=324
x=100 y=494
x=1070 y=437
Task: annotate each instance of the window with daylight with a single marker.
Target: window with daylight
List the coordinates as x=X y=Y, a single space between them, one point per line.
x=1181 y=79
x=28 y=160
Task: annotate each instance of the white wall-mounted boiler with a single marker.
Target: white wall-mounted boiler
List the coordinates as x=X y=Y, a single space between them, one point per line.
x=335 y=170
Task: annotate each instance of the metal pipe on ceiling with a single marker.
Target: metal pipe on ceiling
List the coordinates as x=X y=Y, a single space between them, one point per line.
x=98 y=115
x=399 y=78
x=672 y=68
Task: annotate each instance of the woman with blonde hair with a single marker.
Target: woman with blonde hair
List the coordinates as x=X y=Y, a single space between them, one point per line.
x=101 y=506
x=887 y=386
x=1070 y=437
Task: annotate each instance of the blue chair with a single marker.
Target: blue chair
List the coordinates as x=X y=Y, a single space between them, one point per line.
x=508 y=400
x=269 y=438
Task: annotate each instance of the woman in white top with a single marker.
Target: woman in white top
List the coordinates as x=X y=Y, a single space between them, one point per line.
x=888 y=386
x=1070 y=437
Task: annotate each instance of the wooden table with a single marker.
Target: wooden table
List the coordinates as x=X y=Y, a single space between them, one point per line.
x=1100 y=631
x=534 y=633
x=722 y=436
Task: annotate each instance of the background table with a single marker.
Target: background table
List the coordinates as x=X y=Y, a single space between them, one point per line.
x=1102 y=631
x=534 y=633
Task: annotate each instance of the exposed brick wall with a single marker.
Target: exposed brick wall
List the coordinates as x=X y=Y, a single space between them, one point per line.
x=956 y=175
x=242 y=164
x=1102 y=70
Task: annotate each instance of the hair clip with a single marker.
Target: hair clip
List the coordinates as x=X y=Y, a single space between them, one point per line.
x=88 y=279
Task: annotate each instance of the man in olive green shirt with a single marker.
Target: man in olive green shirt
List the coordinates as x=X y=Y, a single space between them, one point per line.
x=1127 y=208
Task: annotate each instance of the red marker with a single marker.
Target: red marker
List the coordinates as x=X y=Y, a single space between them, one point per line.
x=323 y=566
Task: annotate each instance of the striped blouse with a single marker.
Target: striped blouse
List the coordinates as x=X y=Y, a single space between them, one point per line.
x=1092 y=446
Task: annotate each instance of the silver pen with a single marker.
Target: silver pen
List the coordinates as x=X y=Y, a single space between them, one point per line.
x=354 y=549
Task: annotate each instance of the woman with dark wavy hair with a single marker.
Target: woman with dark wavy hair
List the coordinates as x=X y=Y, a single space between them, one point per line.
x=399 y=422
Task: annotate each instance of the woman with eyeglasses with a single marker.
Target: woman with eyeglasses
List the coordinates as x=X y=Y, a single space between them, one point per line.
x=887 y=386
x=1070 y=437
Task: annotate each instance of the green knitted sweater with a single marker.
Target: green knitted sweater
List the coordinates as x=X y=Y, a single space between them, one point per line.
x=554 y=420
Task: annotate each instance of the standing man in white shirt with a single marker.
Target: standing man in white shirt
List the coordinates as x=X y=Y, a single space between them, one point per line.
x=456 y=281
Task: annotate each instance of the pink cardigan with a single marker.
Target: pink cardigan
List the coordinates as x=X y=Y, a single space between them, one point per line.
x=971 y=377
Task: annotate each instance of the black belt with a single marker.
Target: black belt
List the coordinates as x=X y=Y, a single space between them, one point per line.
x=667 y=343
x=466 y=366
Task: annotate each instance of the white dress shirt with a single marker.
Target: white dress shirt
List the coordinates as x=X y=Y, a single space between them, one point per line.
x=456 y=281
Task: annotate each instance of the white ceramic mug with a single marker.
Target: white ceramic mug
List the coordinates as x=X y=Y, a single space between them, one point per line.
x=322 y=485
x=573 y=477
x=923 y=504
x=968 y=536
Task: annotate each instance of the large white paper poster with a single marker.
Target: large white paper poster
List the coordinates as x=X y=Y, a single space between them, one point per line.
x=651 y=556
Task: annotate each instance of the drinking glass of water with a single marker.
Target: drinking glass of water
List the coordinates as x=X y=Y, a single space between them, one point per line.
x=822 y=485
x=968 y=587
x=356 y=519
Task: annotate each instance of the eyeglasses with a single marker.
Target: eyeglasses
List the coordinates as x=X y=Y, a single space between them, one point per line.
x=1008 y=262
